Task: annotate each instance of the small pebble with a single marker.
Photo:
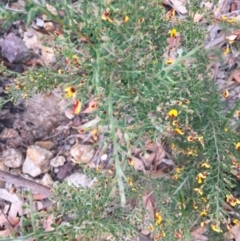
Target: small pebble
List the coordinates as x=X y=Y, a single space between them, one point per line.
x=67 y=147
x=71 y=141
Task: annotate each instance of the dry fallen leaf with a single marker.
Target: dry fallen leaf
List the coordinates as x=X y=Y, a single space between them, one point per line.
x=149 y=216
x=92 y=106
x=235 y=76
x=233 y=233
x=48 y=222
x=198 y=234
x=178 y=5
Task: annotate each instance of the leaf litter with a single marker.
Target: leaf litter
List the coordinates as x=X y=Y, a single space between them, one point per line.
x=153 y=159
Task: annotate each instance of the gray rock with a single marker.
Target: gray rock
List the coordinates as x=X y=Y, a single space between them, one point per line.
x=80 y=180
x=12 y=158
x=37 y=161
x=57 y=161
x=49 y=117
x=82 y=153
x=15 y=50
x=47 y=180
x=31 y=168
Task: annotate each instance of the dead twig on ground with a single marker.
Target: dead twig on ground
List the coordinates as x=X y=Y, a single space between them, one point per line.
x=22 y=182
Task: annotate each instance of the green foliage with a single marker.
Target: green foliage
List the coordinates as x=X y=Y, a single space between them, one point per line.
x=122 y=65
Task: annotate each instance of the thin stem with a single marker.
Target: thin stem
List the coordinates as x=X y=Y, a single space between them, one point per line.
x=119 y=172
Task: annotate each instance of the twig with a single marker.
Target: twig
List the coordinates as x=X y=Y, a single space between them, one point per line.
x=22 y=182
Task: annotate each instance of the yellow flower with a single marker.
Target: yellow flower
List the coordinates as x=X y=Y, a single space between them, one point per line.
x=195 y=206
x=215 y=228
x=225 y=94
x=77 y=107
x=226 y=129
x=169 y=61
x=106 y=16
x=75 y=56
x=190 y=138
x=95 y=134
x=178 y=170
x=70 y=92
x=179 y=131
x=192 y=152
x=205 y=165
x=232 y=200
x=179 y=102
x=231 y=20
x=175 y=123
x=141 y=20
x=198 y=190
x=204 y=212
x=235 y=221
x=130 y=181
x=125 y=19
x=226 y=51
x=186 y=101
x=237 y=146
x=173 y=33
x=130 y=161
x=204 y=199
x=175 y=177
x=18 y=86
x=158 y=218
x=200 y=177
x=173 y=113
x=60 y=71
x=7 y=87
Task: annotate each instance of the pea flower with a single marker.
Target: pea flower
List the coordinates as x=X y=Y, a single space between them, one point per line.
x=179 y=102
x=237 y=146
x=169 y=61
x=130 y=181
x=173 y=33
x=95 y=134
x=195 y=206
x=173 y=113
x=179 y=131
x=215 y=228
x=232 y=200
x=198 y=190
x=190 y=138
x=130 y=161
x=200 y=177
x=226 y=51
x=158 y=218
x=77 y=107
x=106 y=16
x=175 y=123
x=225 y=94
x=204 y=212
x=205 y=165
x=70 y=92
